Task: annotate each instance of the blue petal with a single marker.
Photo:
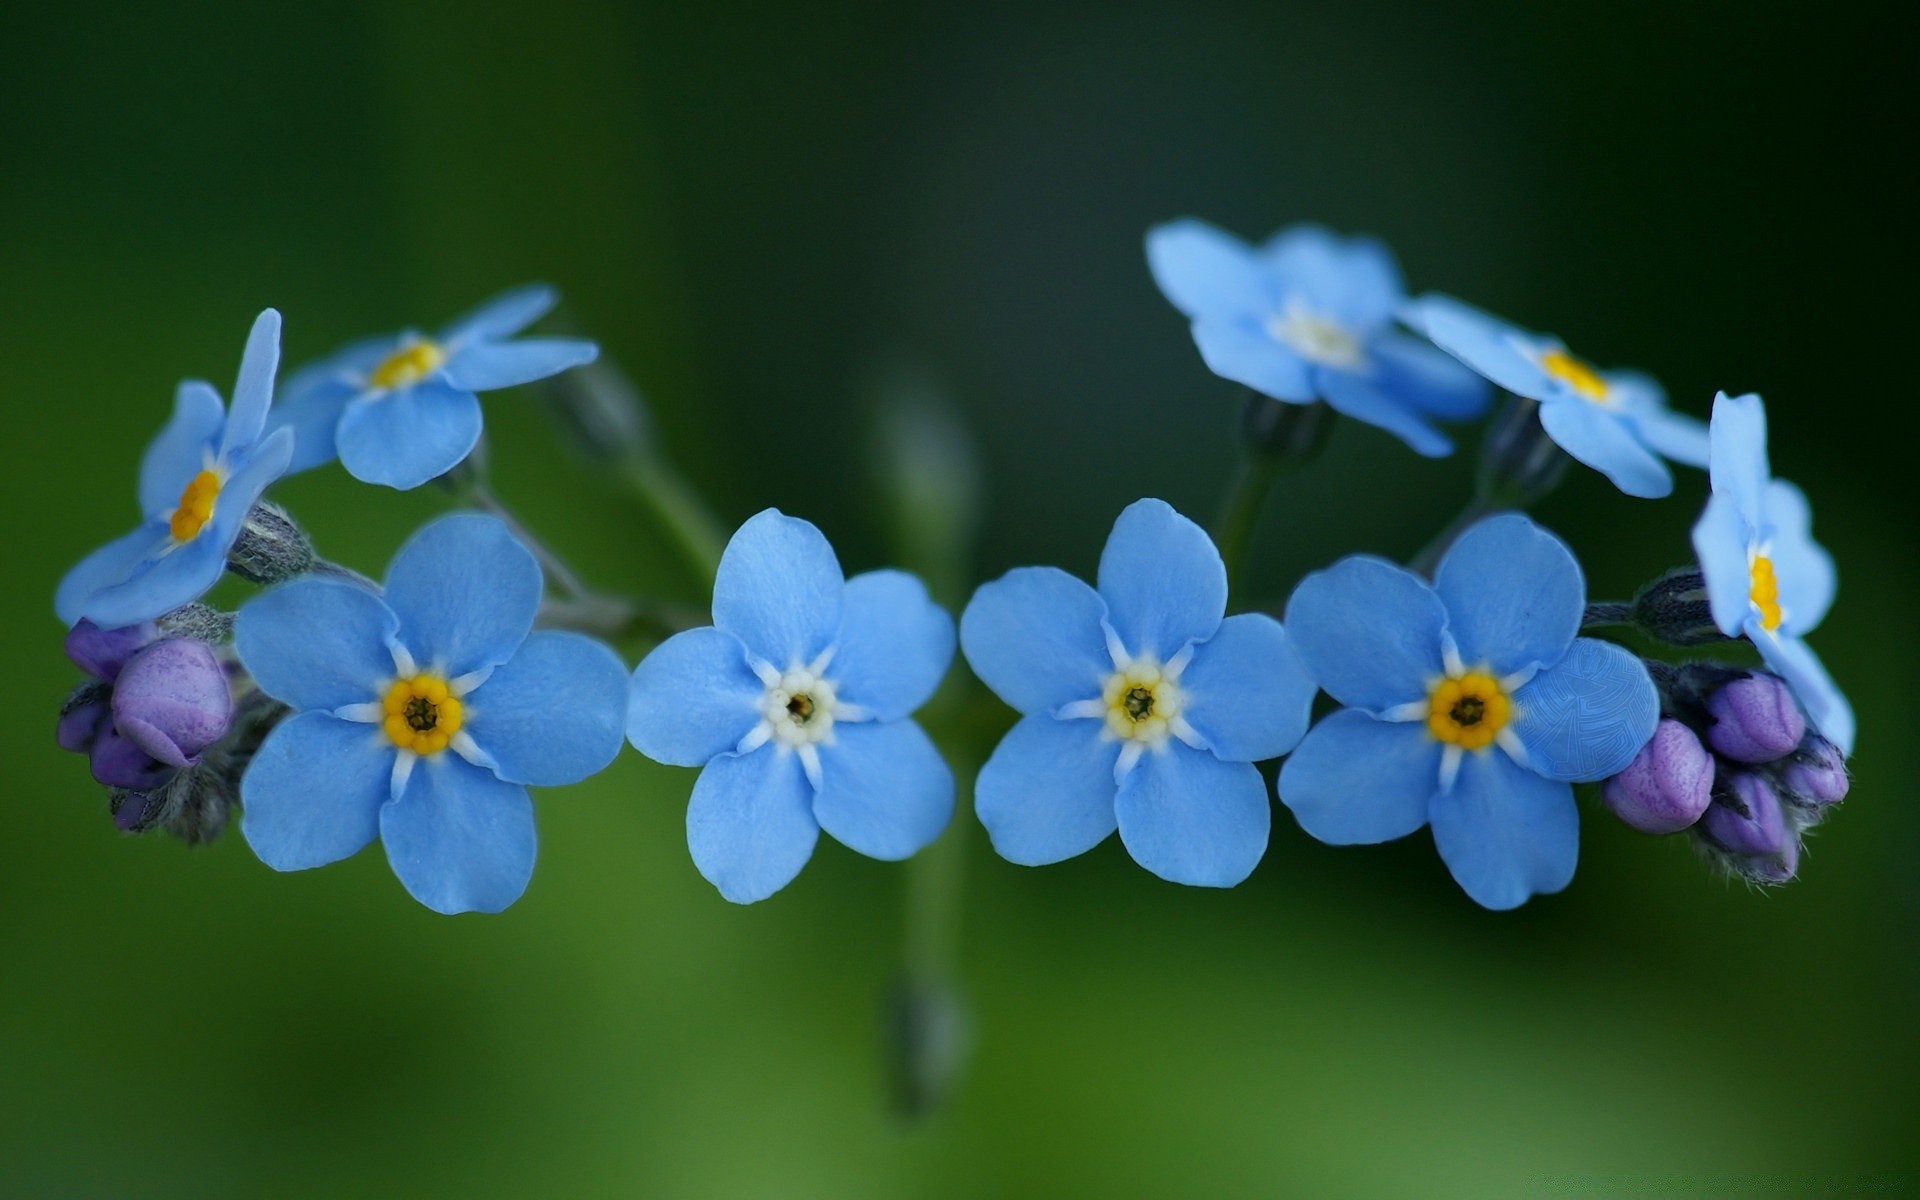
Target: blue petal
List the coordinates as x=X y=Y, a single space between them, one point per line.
x=750 y=823
x=779 y=589
x=1245 y=354
x=1586 y=716
x=502 y=316
x=1802 y=566
x=1514 y=594
x=113 y=563
x=552 y=714
x=884 y=790
x=1720 y=540
x=1359 y=397
x=894 y=647
x=1737 y=453
x=1426 y=378
x=1675 y=437
x=313 y=413
x=459 y=838
x=182 y=449
x=1247 y=694
x=1190 y=818
x=403 y=438
x=253 y=389
x=1206 y=271
x=1357 y=780
x=484 y=366
x=1035 y=637
x=1826 y=705
x=317 y=643
x=1162 y=579
x=1603 y=441
x=1484 y=342
x=1369 y=631
x=1352 y=282
x=465 y=591
x=1047 y=793
x=178 y=576
x=313 y=793
x=693 y=698
x=1506 y=833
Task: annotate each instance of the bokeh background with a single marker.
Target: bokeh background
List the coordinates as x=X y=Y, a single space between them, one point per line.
x=766 y=213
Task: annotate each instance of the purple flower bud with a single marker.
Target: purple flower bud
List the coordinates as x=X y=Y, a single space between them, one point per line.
x=102 y=652
x=1746 y=819
x=1667 y=785
x=80 y=721
x=1755 y=719
x=117 y=762
x=1816 y=775
x=171 y=700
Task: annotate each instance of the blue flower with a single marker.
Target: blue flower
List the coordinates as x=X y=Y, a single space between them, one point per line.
x=1143 y=709
x=198 y=480
x=400 y=410
x=1766 y=576
x=1309 y=316
x=1473 y=706
x=795 y=703
x=1616 y=422
x=421 y=715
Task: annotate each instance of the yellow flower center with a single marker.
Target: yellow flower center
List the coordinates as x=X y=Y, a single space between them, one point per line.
x=1468 y=710
x=407 y=366
x=1141 y=703
x=422 y=715
x=1765 y=592
x=196 y=506
x=1575 y=374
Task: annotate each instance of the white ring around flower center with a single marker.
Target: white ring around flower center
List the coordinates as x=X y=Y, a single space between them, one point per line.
x=799 y=708
x=1315 y=338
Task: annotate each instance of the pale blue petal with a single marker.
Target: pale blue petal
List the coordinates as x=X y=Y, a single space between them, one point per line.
x=1247 y=693
x=1603 y=441
x=253 y=389
x=750 y=823
x=1359 y=397
x=1720 y=543
x=884 y=789
x=1352 y=282
x=552 y=714
x=317 y=643
x=1506 y=833
x=1737 y=454
x=1162 y=579
x=1426 y=378
x=1802 y=566
x=1190 y=818
x=1484 y=342
x=175 y=577
x=181 y=450
x=1246 y=354
x=502 y=316
x=1356 y=780
x=894 y=647
x=313 y=413
x=1047 y=792
x=1586 y=716
x=1369 y=631
x=404 y=438
x=1205 y=271
x=111 y=564
x=465 y=591
x=1826 y=704
x=1674 y=437
x=313 y=793
x=1514 y=594
x=460 y=838
x=779 y=589
x=693 y=698
x=484 y=366
x=1035 y=637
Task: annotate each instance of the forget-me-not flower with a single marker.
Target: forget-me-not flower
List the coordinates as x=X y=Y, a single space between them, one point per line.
x=1472 y=706
x=198 y=480
x=1143 y=709
x=1616 y=422
x=400 y=410
x=422 y=714
x=1766 y=576
x=1309 y=316
x=795 y=704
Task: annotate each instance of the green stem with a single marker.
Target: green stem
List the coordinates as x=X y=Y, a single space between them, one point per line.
x=557 y=571
x=695 y=532
x=1240 y=515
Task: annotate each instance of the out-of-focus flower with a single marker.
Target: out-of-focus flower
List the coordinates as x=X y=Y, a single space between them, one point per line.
x=1667 y=785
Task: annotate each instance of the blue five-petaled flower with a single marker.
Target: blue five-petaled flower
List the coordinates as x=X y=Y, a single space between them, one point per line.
x=1310 y=316
x=1766 y=576
x=422 y=714
x=1143 y=709
x=795 y=704
x=1616 y=422
x=1472 y=706
x=400 y=409
x=198 y=480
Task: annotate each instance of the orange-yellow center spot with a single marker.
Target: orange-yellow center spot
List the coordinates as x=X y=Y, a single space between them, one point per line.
x=1765 y=592
x=196 y=506
x=421 y=714
x=407 y=366
x=1574 y=373
x=1468 y=710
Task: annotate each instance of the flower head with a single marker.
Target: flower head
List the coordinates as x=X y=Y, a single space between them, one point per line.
x=157 y=703
x=1616 y=422
x=1473 y=706
x=400 y=410
x=795 y=704
x=1309 y=316
x=1767 y=579
x=199 y=479
x=421 y=715
x=1143 y=706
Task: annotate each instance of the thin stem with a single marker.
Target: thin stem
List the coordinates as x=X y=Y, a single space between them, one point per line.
x=696 y=533
x=1240 y=516
x=1603 y=613
x=555 y=567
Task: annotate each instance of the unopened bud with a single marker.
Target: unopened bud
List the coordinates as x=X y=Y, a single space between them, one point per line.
x=1674 y=609
x=118 y=762
x=599 y=411
x=271 y=547
x=1815 y=777
x=80 y=717
x=172 y=701
x=201 y=622
x=1519 y=463
x=1755 y=719
x=1747 y=826
x=101 y=652
x=1278 y=432
x=1667 y=785
x=928 y=1039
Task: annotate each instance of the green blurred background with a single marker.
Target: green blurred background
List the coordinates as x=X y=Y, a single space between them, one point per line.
x=760 y=211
